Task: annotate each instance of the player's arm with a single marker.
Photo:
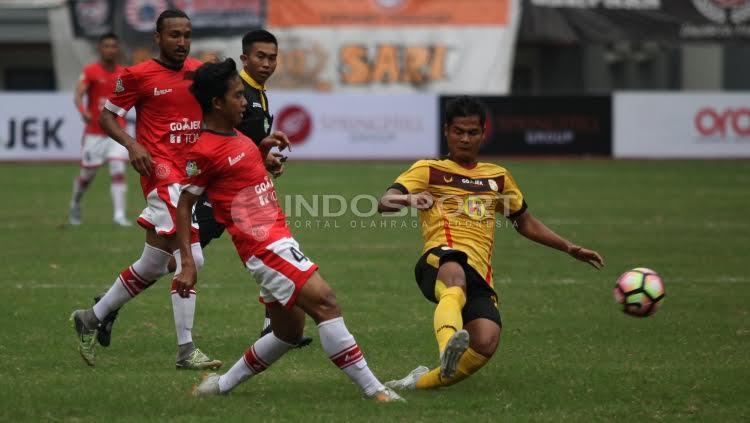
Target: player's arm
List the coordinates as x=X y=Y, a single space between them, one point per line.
x=139 y=156
x=125 y=96
x=82 y=87
x=410 y=189
x=532 y=228
x=276 y=139
x=189 y=274
x=394 y=200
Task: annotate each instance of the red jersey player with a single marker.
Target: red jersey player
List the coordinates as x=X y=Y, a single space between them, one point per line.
x=167 y=123
x=96 y=84
x=230 y=168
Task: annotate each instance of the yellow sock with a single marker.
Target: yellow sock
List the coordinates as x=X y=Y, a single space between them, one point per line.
x=448 y=318
x=469 y=363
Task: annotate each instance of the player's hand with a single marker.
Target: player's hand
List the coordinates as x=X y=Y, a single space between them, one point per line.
x=422 y=201
x=275 y=163
x=186 y=280
x=588 y=256
x=276 y=139
x=140 y=159
x=86 y=116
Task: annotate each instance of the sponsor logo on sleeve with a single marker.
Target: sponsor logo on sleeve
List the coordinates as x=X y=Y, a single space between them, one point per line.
x=233 y=160
x=158 y=92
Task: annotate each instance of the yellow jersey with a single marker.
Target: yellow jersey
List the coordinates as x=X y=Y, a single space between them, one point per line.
x=463 y=215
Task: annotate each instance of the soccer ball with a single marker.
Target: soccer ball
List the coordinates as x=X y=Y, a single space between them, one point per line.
x=640 y=292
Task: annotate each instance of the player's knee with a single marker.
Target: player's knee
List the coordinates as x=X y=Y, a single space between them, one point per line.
x=452 y=274
x=326 y=307
x=117 y=170
x=486 y=343
x=87 y=174
x=152 y=264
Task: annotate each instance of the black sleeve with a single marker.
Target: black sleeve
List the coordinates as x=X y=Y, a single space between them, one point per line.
x=520 y=211
x=399 y=187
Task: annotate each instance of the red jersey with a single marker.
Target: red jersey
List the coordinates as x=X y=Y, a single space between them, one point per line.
x=168 y=118
x=100 y=83
x=230 y=168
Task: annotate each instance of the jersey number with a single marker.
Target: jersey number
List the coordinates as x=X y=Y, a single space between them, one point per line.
x=298 y=255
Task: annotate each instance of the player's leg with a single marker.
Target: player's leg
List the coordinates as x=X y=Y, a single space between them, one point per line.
x=481 y=322
x=92 y=156
x=151 y=265
x=450 y=292
x=80 y=185
x=161 y=215
x=287 y=325
x=118 y=157
x=485 y=335
x=287 y=276
x=442 y=279
x=318 y=301
x=189 y=357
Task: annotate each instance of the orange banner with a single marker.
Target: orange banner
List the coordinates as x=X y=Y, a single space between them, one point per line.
x=285 y=13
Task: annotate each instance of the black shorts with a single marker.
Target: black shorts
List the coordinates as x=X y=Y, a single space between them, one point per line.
x=208 y=227
x=481 y=299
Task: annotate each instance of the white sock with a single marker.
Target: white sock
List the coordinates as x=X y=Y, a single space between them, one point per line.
x=118 y=191
x=264 y=352
x=115 y=298
x=118 y=188
x=343 y=350
x=184 y=308
x=266 y=323
x=132 y=281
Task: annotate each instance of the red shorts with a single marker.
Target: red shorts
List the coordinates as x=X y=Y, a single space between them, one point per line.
x=281 y=270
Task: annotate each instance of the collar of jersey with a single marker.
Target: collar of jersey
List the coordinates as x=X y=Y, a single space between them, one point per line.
x=250 y=81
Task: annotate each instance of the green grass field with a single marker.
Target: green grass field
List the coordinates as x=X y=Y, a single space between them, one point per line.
x=566 y=353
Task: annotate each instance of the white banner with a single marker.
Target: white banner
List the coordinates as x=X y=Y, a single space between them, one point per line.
x=681 y=125
x=469 y=60
x=39 y=127
x=441 y=46
x=357 y=126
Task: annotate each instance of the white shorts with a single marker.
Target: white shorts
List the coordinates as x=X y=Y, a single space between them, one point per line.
x=281 y=270
x=160 y=213
x=98 y=149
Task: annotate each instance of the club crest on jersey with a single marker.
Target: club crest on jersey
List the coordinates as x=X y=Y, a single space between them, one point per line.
x=191 y=169
x=162 y=171
x=493 y=184
x=475 y=208
x=118 y=86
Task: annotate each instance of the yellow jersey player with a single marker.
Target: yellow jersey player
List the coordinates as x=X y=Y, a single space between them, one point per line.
x=458 y=199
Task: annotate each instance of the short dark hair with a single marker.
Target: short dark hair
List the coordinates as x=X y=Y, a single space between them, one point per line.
x=464 y=106
x=212 y=80
x=108 y=36
x=167 y=14
x=257 y=36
